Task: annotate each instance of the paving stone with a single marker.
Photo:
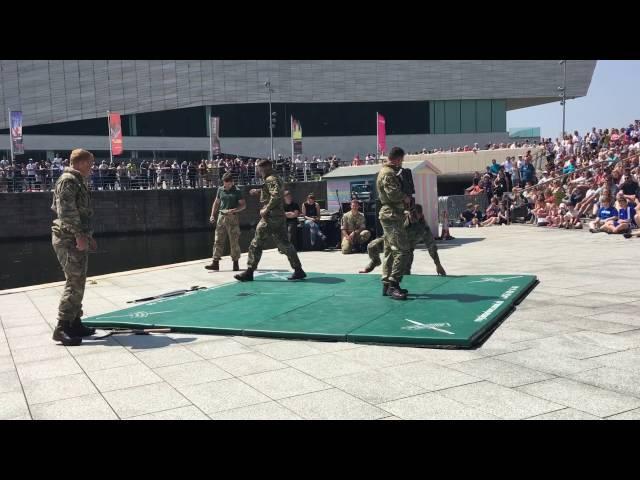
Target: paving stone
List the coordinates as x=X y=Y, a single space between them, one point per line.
x=58 y=388
x=217 y=349
x=115 y=357
x=500 y=372
x=56 y=367
x=39 y=353
x=12 y=405
x=432 y=406
x=630 y=415
x=375 y=387
x=429 y=376
x=283 y=383
x=135 y=401
x=192 y=373
x=183 y=413
x=332 y=405
x=214 y=397
x=569 y=346
x=262 y=411
x=28 y=330
x=605 y=340
x=9 y=381
x=626 y=360
x=123 y=377
x=545 y=361
x=583 y=397
x=623 y=381
x=163 y=357
x=327 y=365
x=247 y=363
x=287 y=350
x=376 y=357
x=590 y=323
x=566 y=414
x=500 y=401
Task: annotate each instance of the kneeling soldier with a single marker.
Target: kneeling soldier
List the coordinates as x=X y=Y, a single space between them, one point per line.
x=353 y=229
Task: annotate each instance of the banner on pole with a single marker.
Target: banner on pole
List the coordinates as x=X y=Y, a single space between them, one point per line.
x=115 y=133
x=296 y=136
x=17 y=146
x=214 y=137
x=382 y=136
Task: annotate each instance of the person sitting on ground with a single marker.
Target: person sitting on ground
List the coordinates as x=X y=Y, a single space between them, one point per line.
x=492 y=213
x=468 y=216
x=605 y=212
x=353 y=229
x=503 y=214
x=624 y=222
x=540 y=212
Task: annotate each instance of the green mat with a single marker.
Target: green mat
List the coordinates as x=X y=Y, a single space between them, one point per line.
x=456 y=311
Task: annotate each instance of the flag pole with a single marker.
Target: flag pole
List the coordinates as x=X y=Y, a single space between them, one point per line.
x=110 y=143
x=377 y=139
x=210 y=140
x=11 y=138
x=292 y=149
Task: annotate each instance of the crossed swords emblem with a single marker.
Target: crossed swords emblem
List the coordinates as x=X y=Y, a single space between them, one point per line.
x=415 y=325
x=135 y=315
x=495 y=280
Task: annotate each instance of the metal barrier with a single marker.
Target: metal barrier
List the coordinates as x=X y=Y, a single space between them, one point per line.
x=454 y=205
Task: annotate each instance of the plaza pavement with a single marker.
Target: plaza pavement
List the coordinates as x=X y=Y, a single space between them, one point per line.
x=571 y=350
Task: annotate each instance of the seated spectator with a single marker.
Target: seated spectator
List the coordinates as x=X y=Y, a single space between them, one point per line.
x=628 y=185
x=469 y=216
x=540 y=211
x=624 y=222
x=491 y=213
x=605 y=212
x=353 y=229
x=503 y=214
x=311 y=213
x=474 y=189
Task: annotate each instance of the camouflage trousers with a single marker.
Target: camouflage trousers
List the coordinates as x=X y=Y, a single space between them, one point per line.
x=396 y=249
x=275 y=228
x=347 y=245
x=74 y=265
x=376 y=248
x=228 y=226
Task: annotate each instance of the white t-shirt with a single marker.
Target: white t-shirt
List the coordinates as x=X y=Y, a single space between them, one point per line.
x=31 y=169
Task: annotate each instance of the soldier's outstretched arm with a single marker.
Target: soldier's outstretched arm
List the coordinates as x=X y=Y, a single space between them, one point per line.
x=275 y=192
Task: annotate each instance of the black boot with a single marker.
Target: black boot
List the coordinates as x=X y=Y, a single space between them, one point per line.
x=79 y=330
x=385 y=289
x=236 y=266
x=215 y=266
x=395 y=292
x=298 y=274
x=64 y=334
x=246 y=276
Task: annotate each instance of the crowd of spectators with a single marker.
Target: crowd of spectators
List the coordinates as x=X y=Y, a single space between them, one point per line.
x=130 y=174
x=591 y=178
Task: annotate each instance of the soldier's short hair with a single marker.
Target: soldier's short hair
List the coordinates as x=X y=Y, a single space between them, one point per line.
x=287 y=192
x=264 y=162
x=396 y=153
x=418 y=208
x=227 y=177
x=80 y=155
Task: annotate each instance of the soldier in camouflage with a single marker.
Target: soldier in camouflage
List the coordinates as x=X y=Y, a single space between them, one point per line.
x=272 y=224
x=353 y=228
x=418 y=231
x=392 y=217
x=72 y=239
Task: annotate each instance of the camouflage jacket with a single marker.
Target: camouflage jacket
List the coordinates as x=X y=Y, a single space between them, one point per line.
x=419 y=231
x=72 y=205
x=390 y=193
x=351 y=222
x=272 y=196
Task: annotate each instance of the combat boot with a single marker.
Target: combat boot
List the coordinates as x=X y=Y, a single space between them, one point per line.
x=395 y=292
x=79 y=330
x=246 y=276
x=298 y=274
x=65 y=335
x=215 y=266
x=236 y=266
x=385 y=289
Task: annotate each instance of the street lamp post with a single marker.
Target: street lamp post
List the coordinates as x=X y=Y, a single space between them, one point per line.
x=563 y=89
x=267 y=85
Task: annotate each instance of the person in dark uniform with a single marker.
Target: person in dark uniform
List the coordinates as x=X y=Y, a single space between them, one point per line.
x=292 y=212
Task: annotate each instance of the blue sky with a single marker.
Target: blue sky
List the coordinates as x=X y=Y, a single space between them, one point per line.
x=613 y=100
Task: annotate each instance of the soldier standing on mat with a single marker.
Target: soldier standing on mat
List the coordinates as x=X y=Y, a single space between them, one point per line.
x=392 y=217
x=72 y=239
x=272 y=224
x=353 y=228
x=229 y=203
x=417 y=230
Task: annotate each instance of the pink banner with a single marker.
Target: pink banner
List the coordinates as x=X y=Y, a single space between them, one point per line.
x=382 y=136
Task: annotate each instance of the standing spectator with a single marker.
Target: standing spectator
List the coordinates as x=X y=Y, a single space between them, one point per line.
x=202 y=174
x=192 y=172
x=153 y=174
x=31 y=175
x=507 y=165
x=144 y=174
x=527 y=171
x=291 y=212
x=494 y=167
x=500 y=184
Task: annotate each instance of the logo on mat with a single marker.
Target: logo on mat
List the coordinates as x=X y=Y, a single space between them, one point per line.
x=135 y=315
x=495 y=280
x=415 y=325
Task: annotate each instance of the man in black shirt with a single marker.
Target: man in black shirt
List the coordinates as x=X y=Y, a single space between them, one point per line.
x=629 y=187
x=291 y=212
x=468 y=216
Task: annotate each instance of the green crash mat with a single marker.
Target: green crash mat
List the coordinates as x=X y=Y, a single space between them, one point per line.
x=455 y=311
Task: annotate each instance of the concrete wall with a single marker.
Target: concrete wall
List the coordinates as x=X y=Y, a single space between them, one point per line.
x=28 y=215
x=344 y=147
